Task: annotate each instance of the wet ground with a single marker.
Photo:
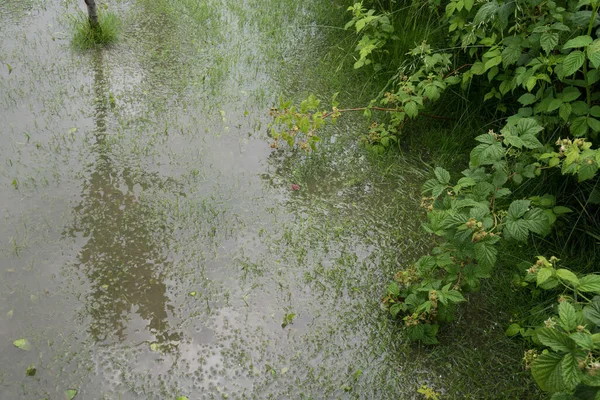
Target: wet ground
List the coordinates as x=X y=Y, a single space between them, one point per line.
x=151 y=245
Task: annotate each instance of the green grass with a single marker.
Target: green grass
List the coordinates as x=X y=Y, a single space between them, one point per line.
x=84 y=37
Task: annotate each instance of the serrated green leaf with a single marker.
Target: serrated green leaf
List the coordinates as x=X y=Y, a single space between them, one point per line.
x=543 y=275
x=592 y=311
x=537 y=222
x=518 y=229
x=518 y=208
x=454 y=296
x=485 y=253
x=442 y=175
x=566 y=312
x=571 y=374
x=557 y=341
x=411 y=109
x=554 y=105
x=531 y=142
x=594 y=124
x=580 y=108
x=587 y=171
x=579 y=41
x=530 y=83
x=548 y=41
x=485 y=154
x=547 y=372
x=499 y=179
x=583 y=340
x=593 y=53
x=393 y=289
x=564 y=111
x=573 y=62
x=590 y=284
x=528 y=126
x=510 y=55
x=579 y=127
x=485 y=12
x=395 y=309
x=513 y=140
x=466 y=182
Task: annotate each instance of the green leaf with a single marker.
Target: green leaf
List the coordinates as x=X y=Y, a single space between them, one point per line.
x=528 y=126
x=485 y=12
x=499 y=179
x=583 y=340
x=557 y=341
x=518 y=229
x=411 y=109
x=70 y=394
x=579 y=41
x=492 y=62
x=485 y=253
x=537 y=222
x=564 y=111
x=587 y=171
x=454 y=296
x=580 y=108
x=592 y=311
x=393 y=289
x=571 y=374
x=554 y=105
x=579 y=126
x=543 y=275
x=567 y=276
x=395 y=309
x=527 y=99
x=182 y=398
x=23 y=344
x=547 y=372
x=531 y=142
x=560 y=210
x=566 y=314
x=594 y=124
x=590 y=284
x=512 y=330
x=573 y=62
x=518 y=208
x=442 y=175
x=593 y=53
x=548 y=41
x=570 y=94
x=485 y=154
x=530 y=83
x=510 y=55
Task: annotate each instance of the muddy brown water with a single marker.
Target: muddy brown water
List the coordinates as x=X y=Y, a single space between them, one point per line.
x=151 y=245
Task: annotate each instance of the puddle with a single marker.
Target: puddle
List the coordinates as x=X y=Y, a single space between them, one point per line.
x=151 y=244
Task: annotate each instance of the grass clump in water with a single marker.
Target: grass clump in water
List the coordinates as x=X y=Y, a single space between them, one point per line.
x=86 y=37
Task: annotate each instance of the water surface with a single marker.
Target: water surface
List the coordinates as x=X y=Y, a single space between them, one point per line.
x=152 y=245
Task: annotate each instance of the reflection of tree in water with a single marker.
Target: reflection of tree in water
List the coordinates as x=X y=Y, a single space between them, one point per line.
x=123 y=258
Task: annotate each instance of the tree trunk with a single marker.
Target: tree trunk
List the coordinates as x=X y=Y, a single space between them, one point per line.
x=92 y=14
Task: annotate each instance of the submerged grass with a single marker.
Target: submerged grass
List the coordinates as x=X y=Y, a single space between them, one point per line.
x=86 y=37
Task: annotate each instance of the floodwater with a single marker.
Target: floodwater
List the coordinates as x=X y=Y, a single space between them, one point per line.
x=151 y=245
